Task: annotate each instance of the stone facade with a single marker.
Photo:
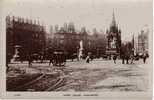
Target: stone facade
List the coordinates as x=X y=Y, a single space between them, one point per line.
x=27 y=35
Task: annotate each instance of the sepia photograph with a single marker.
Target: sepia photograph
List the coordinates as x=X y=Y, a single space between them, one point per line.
x=73 y=46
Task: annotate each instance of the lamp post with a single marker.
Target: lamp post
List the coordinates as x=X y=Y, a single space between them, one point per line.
x=16 y=54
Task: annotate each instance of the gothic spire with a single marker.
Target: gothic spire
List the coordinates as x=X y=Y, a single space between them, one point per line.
x=113 y=20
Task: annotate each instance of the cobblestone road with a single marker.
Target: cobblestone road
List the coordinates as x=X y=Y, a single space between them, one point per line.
x=98 y=75
x=101 y=75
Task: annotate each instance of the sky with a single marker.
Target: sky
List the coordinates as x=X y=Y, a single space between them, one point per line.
x=131 y=15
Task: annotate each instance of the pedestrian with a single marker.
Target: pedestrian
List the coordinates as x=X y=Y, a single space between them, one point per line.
x=114 y=58
x=51 y=59
x=144 y=57
x=30 y=60
x=127 y=58
x=123 y=58
x=87 y=59
x=90 y=56
x=132 y=58
x=41 y=57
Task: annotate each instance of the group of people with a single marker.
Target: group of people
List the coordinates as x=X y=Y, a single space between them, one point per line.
x=125 y=58
x=131 y=58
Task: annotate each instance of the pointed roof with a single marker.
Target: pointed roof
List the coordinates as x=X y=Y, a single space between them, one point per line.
x=113 y=20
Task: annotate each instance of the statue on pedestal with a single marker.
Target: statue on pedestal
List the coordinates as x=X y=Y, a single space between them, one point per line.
x=80 y=56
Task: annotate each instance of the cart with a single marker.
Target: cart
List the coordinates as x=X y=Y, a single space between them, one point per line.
x=59 y=58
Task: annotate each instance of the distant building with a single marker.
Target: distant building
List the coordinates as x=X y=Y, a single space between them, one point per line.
x=69 y=41
x=99 y=43
x=113 y=38
x=66 y=41
x=143 y=45
x=24 y=36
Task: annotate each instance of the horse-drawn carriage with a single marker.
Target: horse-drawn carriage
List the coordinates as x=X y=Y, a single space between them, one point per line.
x=58 y=58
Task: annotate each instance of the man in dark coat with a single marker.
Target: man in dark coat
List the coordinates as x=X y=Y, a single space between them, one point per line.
x=30 y=59
x=123 y=58
x=87 y=59
x=114 y=58
x=127 y=58
x=144 y=57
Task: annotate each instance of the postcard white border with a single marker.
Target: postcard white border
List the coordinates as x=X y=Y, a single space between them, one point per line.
x=60 y=95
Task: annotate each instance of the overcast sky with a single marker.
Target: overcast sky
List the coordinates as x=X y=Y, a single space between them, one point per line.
x=131 y=15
